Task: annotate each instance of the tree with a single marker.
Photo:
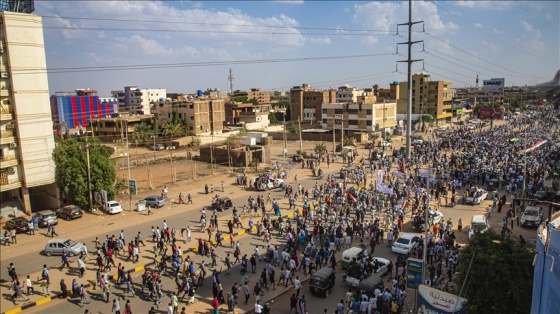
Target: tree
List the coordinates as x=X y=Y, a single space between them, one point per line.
x=154 y=125
x=320 y=149
x=71 y=169
x=293 y=129
x=349 y=141
x=508 y=262
x=373 y=136
x=172 y=129
x=272 y=117
x=426 y=119
x=242 y=132
x=288 y=113
x=141 y=133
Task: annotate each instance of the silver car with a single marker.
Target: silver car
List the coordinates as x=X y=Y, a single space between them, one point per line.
x=58 y=246
x=47 y=217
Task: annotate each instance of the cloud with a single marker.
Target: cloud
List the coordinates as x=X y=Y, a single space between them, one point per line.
x=497 y=31
x=486 y=5
x=290 y=1
x=531 y=37
x=478 y=25
x=149 y=47
x=384 y=16
x=320 y=40
x=370 y=40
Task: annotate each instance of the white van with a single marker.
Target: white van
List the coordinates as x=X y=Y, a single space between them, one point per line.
x=479 y=224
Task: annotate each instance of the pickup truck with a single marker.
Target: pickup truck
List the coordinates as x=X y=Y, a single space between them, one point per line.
x=384 y=144
x=158 y=147
x=476 y=196
x=377 y=267
x=419 y=221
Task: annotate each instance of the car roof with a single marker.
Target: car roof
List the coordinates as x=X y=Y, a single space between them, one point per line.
x=71 y=207
x=479 y=218
x=19 y=218
x=45 y=212
x=112 y=202
x=354 y=250
x=57 y=240
x=323 y=272
x=154 y=196
x=407 y=236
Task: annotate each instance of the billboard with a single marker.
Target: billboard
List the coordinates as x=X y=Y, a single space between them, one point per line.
x=414 y=269
x=434 y=301
x=494 y=84
x=490 y=113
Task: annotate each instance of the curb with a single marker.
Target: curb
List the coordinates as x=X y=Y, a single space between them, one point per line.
x=115 y=276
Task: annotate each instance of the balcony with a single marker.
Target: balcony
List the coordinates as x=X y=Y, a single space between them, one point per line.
x=7 y=137
x=8 y=161
x=9 y=184
x=6 y=113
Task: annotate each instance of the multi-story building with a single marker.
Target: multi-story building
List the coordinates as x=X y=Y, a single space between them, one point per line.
x=252 y=116
x=204 y=116
x=305 y=102
x=76 y=109
x=117 y=126
x=215 y=93
x=136 y=100
x=27 y=169
x=360 y=117
x=348 y=93
x=428 y=97
x=262 y=97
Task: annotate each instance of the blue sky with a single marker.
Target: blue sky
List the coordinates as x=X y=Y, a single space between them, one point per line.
x=184 y=46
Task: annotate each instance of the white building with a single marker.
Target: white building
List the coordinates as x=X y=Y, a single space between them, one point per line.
x=136 y=100
x=27 y=168
x=360 y=117
x=348 y=93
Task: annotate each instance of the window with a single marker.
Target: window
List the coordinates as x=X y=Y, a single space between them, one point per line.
x=324 y=121
x=368 y=123
x=192 y=117
x=368 y=112
x=324 y=111
x=352 y=111
x=338 y=111
x=352 y=122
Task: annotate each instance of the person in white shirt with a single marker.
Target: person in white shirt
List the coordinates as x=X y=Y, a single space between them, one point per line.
x=116 y=307
x=297 y=286
x=258 y=308
x=389 y=238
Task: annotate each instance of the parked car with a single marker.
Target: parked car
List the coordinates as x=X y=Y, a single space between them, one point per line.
x=543 y=195
x=155 y=201
x=470 y=127
x=69 y=212
x=158 y=147
x=417 y=142
x=45 y=217
x=57 y=246
x=440 y=129
x=479 y=224
x=296 y=158
x=405 y=244
x=113 y=207
x=369 y=145
x=19 y=223
x=532 y=216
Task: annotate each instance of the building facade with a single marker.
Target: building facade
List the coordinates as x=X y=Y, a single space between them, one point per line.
x=74 y=111
x=348 y=93
x=135 y=100
x=428 y=97
x=117 y=126
x=360 y=117
x=305 y=102
x=27 y=169
x=203 y=116
x=252 y=116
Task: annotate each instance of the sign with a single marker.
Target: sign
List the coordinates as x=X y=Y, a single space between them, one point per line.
x=494 y=84
x=414 y=270
x=459 y=111
x=132 y=187
x=434 y=301
x=490 y=113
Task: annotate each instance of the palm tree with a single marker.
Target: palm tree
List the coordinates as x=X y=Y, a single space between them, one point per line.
x=172 y=129
x=141 y=133
x=320 y=149
x=349 y=141
x=195 y=144
x=426 y=118
x=373 y=136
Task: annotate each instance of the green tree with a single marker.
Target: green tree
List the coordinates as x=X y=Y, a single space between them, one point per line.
x=489 y=253
x=71 y=169
x=349 y=141
x=282 y=104
x=172 y=129
x=293 y=129
x=154 y=125
x=320 y=149
x=426 y=119
x=141 y=133
x=373 y=136
x=242 y=132
x=288 y=113
x=240 y=99
x=280 y=116
x=272 y=117
x=175 y=119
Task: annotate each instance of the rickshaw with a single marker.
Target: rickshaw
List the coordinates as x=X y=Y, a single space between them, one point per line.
x=322 y=282
x=223 y=203
x=350 y=254
x=370 y=284
x=493 y=185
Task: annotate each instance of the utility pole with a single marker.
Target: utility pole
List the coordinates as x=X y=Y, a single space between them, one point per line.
x=300 y=140
x=128 y=166
x=89 y=178
x=334 y=134
x=285 y=151
x=341 y=134
x=149 y=173
x=409 y=62
x=212 y=153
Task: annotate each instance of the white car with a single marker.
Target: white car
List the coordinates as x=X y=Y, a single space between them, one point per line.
x=113 y=207
x=470 y=127
x=405 y=244
x=384 y=144
x=476 y=197
x=418 y=142
x=532 y=216
x=479 y=224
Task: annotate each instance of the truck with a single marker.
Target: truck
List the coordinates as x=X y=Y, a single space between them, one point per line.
x=476 y=195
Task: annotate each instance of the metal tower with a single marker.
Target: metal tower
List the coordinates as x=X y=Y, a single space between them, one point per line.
x=21 y=6
x=230 y=79
x=477 y=81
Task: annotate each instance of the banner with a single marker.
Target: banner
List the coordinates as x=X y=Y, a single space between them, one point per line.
x=434 y=301
x=532 y=148
x=490 y=113
x=380 y=187
x=398 y=174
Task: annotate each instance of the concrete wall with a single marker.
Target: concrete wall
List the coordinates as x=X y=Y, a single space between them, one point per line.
x=238 y=155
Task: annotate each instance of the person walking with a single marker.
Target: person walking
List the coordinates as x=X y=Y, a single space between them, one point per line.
x=18 y=293
x=64 y=261
x=246 y=292
x=63 y=289
x=29 y=285
x=116 y=308
x=297 y=286
x=106 y=292
x=189 y=199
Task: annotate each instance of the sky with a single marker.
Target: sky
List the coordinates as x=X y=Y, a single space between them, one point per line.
x=185 y=46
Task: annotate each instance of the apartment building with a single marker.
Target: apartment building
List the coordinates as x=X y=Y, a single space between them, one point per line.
x=262 y=97
x=306 y=102
x=204 y=116
x=135 y=100
x=75 y=109
x=348 y=93
x=27 y=169
x=428 y=97
x=360 y=117
x=117 y=126
x=252 y=116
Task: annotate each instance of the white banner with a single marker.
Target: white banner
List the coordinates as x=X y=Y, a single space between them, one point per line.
x=493 y=84
x=380 y=187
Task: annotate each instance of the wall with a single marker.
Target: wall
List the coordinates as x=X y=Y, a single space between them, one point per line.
x=546 y=281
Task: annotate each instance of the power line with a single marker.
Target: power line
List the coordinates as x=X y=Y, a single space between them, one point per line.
x=187 y=64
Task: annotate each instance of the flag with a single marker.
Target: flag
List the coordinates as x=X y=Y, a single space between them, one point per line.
x=398 y=174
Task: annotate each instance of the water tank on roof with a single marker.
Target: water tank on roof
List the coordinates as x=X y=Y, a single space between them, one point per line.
x=396 y=82
x=161 y=99
x=199 y=92
x=297 y=87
